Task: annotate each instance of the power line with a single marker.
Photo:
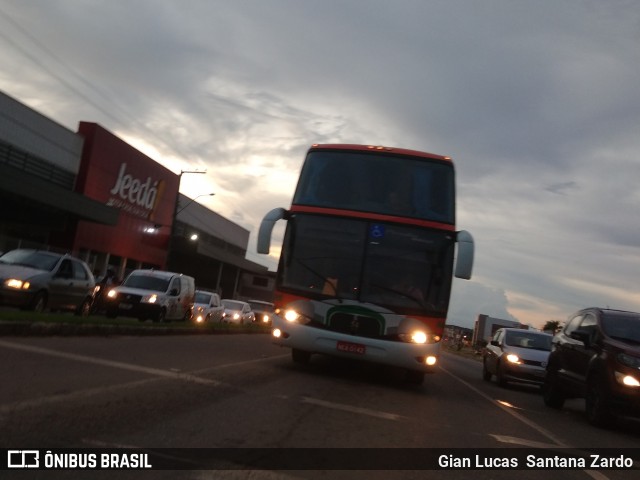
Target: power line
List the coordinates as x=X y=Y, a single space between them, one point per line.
x=33 y=58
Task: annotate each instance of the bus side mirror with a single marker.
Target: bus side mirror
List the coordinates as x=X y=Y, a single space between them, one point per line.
x=464 y=262
x=266 y=227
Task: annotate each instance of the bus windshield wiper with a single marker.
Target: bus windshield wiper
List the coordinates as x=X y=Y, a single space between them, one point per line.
x=417 y=300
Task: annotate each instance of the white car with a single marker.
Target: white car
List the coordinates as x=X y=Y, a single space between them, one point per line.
x=236 y=311
x=263 y=311
x=207 y=307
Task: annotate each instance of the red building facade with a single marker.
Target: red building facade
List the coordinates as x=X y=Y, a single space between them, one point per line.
x=117 y=175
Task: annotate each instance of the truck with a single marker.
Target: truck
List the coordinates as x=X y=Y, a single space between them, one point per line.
x=486 y=326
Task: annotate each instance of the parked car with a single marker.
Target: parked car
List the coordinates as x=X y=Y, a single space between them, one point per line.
x=596 y=356
x=153 y=294
x=263 y=311
x=236 y=311
x=39 y=279
x=516 y=354
x=207 y=307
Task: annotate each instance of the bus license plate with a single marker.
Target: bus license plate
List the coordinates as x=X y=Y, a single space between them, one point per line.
x=349 y=347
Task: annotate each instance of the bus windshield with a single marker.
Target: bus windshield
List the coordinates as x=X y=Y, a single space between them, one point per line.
x=380 y=183
x=403 y=268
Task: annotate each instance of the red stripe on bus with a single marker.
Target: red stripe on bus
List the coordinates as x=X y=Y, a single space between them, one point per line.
x=372 y=216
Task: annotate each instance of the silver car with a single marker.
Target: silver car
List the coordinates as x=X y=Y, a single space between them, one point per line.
x=236 y=311
x=39 y=279
x=517 y=355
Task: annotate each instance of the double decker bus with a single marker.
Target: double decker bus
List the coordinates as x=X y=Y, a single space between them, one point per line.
x=368 y=257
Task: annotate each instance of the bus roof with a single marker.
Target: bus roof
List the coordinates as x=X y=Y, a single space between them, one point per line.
x=369 y=148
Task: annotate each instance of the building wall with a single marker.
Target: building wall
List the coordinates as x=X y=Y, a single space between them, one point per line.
x=38 y=135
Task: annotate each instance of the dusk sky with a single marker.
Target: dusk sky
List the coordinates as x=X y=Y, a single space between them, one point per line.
x=537 y=102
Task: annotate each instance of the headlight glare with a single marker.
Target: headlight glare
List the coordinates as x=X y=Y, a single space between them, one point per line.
x=291 y=316
x=513 y=358
x=418 y=336
x=17 y=284
x=150 y=299
x=627 y=380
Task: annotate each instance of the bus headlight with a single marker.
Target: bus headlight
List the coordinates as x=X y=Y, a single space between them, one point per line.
x=291 y=316
x=419 y=336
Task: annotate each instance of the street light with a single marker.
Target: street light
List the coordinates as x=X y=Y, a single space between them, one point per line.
x=193 y=200
x=176 y=210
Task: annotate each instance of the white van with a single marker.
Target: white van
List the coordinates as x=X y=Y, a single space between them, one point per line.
x=153 y=294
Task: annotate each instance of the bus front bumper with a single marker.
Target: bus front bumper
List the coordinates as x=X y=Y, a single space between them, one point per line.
x=412 y=356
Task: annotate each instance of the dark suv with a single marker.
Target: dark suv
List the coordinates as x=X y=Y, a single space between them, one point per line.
x=596 y=356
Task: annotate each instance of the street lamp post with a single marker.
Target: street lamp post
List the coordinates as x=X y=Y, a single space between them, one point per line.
x=193 y=200
x=176 y=211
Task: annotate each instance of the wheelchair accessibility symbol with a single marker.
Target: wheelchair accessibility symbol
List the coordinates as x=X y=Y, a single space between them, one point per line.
x=376 y=231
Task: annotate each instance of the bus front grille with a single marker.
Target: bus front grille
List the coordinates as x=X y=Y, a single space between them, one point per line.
x=351 y=324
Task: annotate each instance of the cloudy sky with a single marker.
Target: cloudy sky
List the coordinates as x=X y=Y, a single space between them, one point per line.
x=537 y=102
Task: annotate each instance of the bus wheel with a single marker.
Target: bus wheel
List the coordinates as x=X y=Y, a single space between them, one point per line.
x=300 y=356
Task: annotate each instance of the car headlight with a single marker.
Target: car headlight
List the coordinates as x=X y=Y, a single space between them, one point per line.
x=627 y=380
x=236 y=316
x=513 y=358
x=17 y=284
x=628 y=360
x=149 y=299
x=112 y=294
x=265 y=318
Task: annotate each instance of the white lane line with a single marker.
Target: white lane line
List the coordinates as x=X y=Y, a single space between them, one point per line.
x=239 y=364
x=110 y=363
x=543 y=431
x=556 y=442
x=351 y=409
x=66 y=398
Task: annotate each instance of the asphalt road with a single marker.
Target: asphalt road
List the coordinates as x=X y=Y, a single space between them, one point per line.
x=240 y=391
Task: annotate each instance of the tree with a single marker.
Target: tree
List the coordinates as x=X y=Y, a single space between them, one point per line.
x=551 y=326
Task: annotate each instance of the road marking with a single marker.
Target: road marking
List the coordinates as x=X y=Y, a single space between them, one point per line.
x=113 y=364
x=543 y=431
x=348 y=408
x=99 y=391
x=556 y=442
x=65 y=398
